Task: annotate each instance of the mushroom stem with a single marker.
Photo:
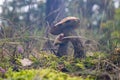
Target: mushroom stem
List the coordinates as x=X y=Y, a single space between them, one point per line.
x=77 y=45
x=62 y=50
x=76 y=42
x=78 y=48
x=63 y=44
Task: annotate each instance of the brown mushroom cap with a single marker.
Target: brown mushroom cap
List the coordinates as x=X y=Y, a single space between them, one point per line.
x=66 y=23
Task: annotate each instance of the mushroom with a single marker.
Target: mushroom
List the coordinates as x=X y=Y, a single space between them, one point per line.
x=67 y=26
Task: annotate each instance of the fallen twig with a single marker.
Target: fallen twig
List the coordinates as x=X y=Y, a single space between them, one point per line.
x=112 y=64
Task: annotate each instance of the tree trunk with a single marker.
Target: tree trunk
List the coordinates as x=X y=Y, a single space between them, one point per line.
x=55 y=11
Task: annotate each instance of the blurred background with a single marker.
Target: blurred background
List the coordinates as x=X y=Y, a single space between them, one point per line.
x=25 y=25
x=36 y=17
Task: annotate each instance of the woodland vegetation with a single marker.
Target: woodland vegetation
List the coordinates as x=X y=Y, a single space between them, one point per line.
x=27 y=50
